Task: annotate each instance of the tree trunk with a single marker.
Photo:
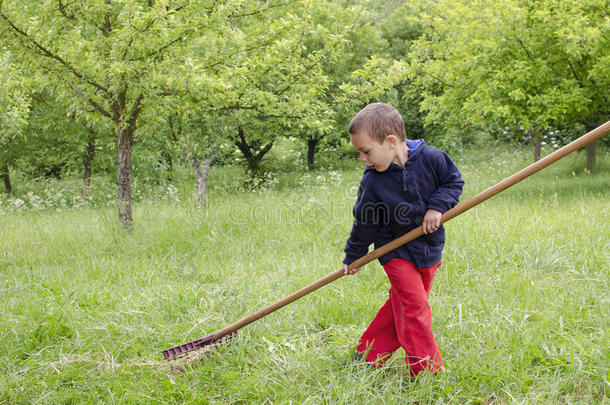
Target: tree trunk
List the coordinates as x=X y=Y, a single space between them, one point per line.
x=124 y=144
x=590 y=165
x=312 y=144
x=200 y=174
x=537 y=148
x=537 y=140
x=253 y=160
x=87 y=162
x=125 y=133
x=7 y=179
x=202 y=181
x=169 y=164
x=590 y=160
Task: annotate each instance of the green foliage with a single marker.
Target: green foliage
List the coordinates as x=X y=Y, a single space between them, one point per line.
x=55 y=140
x=358 y=41
x=14 y=106
x=517 y=63
x=461 y=70
x=457 y=71
x=385 y=75
x=122 y=59
x=402 y=27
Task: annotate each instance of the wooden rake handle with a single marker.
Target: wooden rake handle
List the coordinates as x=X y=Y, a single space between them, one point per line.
x=417 y=232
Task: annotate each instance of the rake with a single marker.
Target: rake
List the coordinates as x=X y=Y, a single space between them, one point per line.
x=221 y=336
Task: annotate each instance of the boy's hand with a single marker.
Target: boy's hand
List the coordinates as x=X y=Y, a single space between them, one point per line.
x=432 y=220
x=350 y=272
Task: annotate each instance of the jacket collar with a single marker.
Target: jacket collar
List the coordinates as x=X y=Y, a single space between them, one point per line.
x=415 y=148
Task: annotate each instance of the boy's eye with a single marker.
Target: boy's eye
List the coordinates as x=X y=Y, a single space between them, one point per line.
x=366 y=152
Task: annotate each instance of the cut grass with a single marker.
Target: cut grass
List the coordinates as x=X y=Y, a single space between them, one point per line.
x=520 y=305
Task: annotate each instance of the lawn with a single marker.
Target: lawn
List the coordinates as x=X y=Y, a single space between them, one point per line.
x=520 y=306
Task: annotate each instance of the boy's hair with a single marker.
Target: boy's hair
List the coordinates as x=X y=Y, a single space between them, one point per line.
x=378 y=120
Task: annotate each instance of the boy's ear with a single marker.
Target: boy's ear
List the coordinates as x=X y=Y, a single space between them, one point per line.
x=392 y=139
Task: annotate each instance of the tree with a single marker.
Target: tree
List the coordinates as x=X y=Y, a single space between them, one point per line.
x=386 y=74
x=273 y=84
x=516 y=63
x=198 y=135
x=59 y=140
x=294 y=84
x=278 y=87
x=361 y=40
x=121 y=57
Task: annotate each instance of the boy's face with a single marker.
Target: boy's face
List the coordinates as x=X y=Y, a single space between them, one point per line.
x=377 y=155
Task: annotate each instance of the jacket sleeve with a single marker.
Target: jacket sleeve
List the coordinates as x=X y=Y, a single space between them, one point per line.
x=450 y=181
x=366 y=224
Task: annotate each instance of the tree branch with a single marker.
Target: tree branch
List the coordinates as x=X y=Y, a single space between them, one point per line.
x=164 y=47
x=106 y=27
x=127 y=48
x=90 y=101
x=179 y=38
x=133 y=117
x=260 y=115
x=310 y=67
x=259 y=156
x=527 y=52
x=230 y=56
x=298 y=77
x=62 y=9
x=118 y=105
x=260 y=11
x=580 y=83
x=45 y=52
x=154 y=20
x=242 y=144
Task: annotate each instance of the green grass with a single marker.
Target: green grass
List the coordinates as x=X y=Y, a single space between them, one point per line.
x=520 y=305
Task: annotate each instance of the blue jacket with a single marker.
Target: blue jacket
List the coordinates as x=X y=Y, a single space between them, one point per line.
x=393 y=202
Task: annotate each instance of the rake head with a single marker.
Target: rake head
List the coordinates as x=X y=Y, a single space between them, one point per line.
x=208 y=342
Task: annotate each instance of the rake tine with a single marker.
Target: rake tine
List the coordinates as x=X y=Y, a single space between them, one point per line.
x=182 y=350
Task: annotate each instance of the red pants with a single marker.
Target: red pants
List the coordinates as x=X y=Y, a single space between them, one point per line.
x=404 y=320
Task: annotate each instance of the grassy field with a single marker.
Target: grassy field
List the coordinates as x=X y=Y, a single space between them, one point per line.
x=520 y=306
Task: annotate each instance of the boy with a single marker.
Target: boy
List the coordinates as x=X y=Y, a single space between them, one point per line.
x=405 y=184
